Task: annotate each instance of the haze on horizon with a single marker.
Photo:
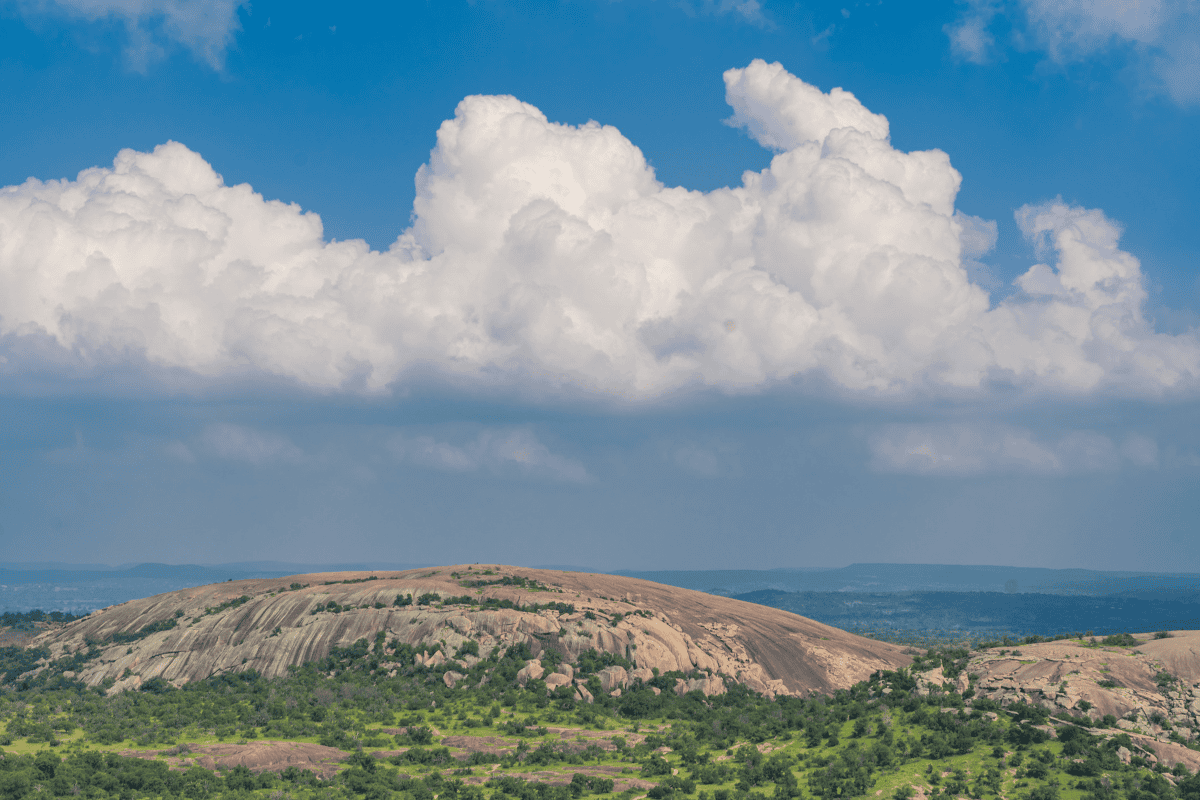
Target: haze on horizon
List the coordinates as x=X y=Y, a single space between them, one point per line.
x=634 y=285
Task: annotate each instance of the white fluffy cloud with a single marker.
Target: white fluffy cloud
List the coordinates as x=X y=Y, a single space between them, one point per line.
x=547 y=258
x=503 y=450
x=1163 y=36
x=206 y=27
x=980 y=448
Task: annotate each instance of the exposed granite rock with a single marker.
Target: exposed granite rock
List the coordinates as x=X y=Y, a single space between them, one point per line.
x=660 y=627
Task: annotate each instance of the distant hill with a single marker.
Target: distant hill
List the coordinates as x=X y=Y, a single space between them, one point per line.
x=986 y=615
x=882 y=578
x=83 y=588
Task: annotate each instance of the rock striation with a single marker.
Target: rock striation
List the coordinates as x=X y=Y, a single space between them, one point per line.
x=270 y=625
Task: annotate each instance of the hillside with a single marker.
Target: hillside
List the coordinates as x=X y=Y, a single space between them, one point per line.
x=457 y=613
x=451 y=683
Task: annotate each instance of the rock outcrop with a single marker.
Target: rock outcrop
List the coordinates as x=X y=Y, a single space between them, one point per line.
x=269 y=625
x=1149 y=689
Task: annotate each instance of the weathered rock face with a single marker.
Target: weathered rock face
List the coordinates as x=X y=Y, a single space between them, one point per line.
x=655 y=626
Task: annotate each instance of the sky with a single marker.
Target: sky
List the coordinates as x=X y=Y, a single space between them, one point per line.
x=621 y=284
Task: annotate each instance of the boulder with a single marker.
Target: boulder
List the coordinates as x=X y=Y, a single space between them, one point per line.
x=583 y=695
x=451 y=677
x=565 y=669
x=532 y=671
x=644 y=675
x=1124 y=754
x=613 y=678
x=556 y=679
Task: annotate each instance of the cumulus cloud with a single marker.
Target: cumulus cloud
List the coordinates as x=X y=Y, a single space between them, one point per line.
x=782 y=112
x=206 y=27
x=502 y=450
x=237 y=443
x=547 y=258
x=974 y=449
x=1162 y=36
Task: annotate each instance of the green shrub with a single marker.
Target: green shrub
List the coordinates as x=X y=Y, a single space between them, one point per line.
x=1120 y=640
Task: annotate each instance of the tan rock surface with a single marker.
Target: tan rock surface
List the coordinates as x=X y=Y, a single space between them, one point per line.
x=656 y=626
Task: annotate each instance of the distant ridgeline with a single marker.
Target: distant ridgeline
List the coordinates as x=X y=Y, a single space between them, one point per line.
x=81 y=589
x=928 y=603
x=932 y=617
x=888 y=578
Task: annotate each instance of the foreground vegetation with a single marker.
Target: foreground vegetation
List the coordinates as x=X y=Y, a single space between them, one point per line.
x=881 y=738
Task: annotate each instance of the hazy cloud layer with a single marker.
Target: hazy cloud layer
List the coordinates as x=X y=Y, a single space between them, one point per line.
x=503 y=450
x=748 y=10
x=547 y=258
x=237 y=443
x=974 y=449
x=1162 y=36
x=206 y=27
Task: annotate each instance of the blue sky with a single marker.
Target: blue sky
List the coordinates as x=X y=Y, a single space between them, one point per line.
x=637 y=284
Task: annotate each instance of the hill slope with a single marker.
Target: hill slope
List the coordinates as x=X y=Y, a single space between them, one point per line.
x=271 y=624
